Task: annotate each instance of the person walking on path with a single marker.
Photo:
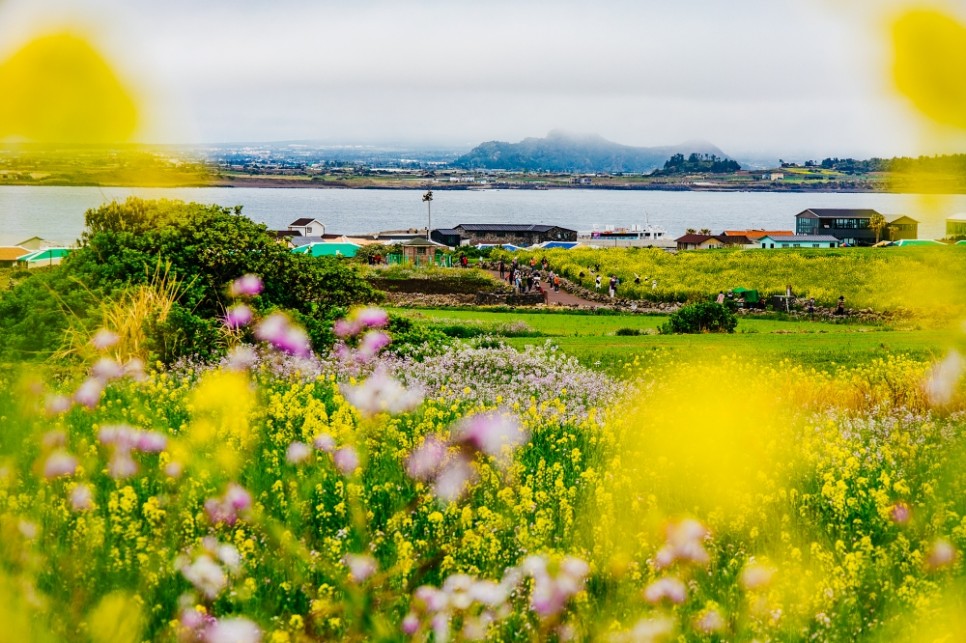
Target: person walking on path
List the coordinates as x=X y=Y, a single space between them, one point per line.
x=840 y=308
x=597 y=283
x=612 y=286
x=556 y=283
x=502 y=269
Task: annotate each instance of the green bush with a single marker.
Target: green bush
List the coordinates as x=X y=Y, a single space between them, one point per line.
x=204 y=247
x=703 y=317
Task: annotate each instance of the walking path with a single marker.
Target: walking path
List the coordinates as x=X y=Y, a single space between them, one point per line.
x=559 y=298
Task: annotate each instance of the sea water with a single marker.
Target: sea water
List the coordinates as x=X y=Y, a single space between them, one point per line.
x=57 y=213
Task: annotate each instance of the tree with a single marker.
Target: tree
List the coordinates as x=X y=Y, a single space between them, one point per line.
x=877 y=223
x=690 y=231
x=205 y=248
x=706 y=231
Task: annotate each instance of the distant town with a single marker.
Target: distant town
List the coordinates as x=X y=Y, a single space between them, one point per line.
x=555 y=162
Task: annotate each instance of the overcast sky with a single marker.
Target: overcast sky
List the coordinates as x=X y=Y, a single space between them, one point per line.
x=802 y=78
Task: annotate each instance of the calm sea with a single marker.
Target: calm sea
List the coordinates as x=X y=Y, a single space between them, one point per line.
x=57 y=213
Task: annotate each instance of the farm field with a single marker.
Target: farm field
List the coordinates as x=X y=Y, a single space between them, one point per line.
x=238 y=446
x=592 y=340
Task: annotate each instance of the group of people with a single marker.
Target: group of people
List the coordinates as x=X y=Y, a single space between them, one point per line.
x=612 y=284
x=530 y=277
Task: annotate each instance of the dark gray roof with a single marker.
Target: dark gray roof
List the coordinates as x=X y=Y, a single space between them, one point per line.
x=446 y=231
x=302 y=222
x=508 y=227
x=840 y=213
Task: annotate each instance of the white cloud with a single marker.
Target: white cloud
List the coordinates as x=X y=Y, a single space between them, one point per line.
x=753 y=75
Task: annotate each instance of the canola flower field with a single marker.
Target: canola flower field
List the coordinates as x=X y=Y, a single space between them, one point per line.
x=479 y=492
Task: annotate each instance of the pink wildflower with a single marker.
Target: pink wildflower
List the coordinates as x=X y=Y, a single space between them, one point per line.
x=206 y=575
x=297 y=452
x=57 y=404
x=372 y=342
x=59 y=463
x=241 y=358
x=107 y=369
x=944 y=378
x=89 y=393
x=121 y=465
x=372 y=317
x=361 y=567
x=552 y=592
x=246 y=286
x=233 y=630
x=104 y=338
x=453 y=478
x=382 y=393
x=150 y=441
x=756 y=576
x=426 y=461
x=410 y=624
x=900 y=513
x=346 y=460
x=324 y=442
x=278 y=331
x=685 y=543
x=710 y=621
x=81 y=498
x=942 y=554
x=490 y=432
x=344 y=328
x=238 y=316
x=667 y=588
x=238 y=497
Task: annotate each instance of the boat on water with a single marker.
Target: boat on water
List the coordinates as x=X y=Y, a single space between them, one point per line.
x=635 y=236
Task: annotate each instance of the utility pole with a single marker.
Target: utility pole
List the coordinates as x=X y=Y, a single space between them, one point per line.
x=428 y=198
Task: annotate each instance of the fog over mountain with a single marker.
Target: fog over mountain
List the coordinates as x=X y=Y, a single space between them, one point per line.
x=566 y=152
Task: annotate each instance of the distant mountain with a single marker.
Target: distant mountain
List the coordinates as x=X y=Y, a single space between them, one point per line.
x=563 y=152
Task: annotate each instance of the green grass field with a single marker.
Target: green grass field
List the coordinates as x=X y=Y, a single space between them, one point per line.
x=592 y=339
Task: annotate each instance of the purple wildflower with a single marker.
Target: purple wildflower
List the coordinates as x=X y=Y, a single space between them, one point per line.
x=238 y=316
x=246 y=286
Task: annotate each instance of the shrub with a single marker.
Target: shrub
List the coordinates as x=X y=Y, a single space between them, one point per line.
x=703 y=317
x=628 y=332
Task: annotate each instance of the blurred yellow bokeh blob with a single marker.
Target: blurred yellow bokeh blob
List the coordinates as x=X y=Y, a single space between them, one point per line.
x=930 y=63
x=59 y=89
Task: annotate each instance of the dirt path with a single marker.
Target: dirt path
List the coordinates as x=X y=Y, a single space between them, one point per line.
x=561 y=297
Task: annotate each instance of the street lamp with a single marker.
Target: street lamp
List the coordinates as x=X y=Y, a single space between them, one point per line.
x=428 y=198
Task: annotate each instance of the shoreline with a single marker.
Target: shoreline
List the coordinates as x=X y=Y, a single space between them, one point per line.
x=308 y=185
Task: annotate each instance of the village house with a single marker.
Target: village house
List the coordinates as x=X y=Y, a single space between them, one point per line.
x=10 y=254
x=307 y=227
x=956 y=226
x=755 y=235
x=798 y=241
x=851 y=225
x=516 y=234
x=447 y=237
x=709 y=241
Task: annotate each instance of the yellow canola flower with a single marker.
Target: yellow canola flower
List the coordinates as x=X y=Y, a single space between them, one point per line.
x=59 y=89
x=708 y=438
x=118 y=618
x=930 y=60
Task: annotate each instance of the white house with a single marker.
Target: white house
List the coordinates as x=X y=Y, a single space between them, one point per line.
x=307 y=227
x=799 y=241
